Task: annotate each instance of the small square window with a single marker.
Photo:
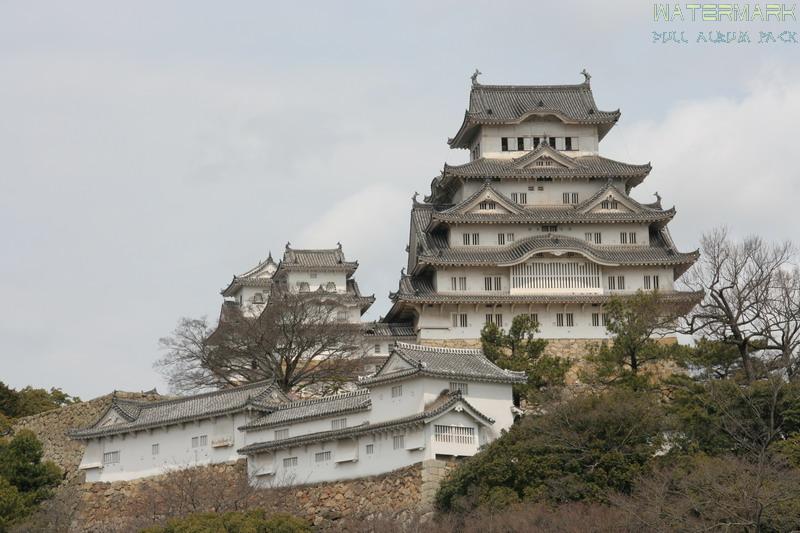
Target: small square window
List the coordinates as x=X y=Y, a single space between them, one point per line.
x=154 y=449
x=110 y=458
x=397 y=391
x=338 y=423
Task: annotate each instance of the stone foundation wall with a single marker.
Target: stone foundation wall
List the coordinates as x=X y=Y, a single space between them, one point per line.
x=132 y=505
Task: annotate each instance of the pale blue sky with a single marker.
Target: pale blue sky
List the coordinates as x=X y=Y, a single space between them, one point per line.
x=150 y=150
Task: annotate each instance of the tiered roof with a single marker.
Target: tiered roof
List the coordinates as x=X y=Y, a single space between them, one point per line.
x=564 y=167
x=332 y=259
x=512 y=104
x=412 y=360
x=304 y=410
x=258 y=276
x=136 y=415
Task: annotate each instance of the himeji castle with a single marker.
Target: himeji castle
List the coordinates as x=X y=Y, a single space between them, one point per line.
x=537 y=222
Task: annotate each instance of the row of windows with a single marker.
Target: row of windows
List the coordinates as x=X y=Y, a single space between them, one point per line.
x=303 y=286
x=569 y=198
x=495 y=283
x=519 y=144
x=398 y=443
x=199 y=441
x=474 y=239
x=562 y=320
x=460 y=386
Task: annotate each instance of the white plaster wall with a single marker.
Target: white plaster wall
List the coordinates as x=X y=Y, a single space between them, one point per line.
x=543 y=193
x=492 y=399
x=322 y=278
x=175 y=449
x=610 y=233
x=537 y=127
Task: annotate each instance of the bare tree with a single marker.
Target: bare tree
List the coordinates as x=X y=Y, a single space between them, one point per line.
x=296 y=340
x=782 y=321
x=737 y=278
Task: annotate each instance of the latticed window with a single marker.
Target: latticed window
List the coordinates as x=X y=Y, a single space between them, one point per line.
x=290 y=462
x=596 y=319
x=321 y=457
x=370 y=449
x=570 y=320
x=281 y=434
x=338 y=423
x=459 y=386
x=397 y=391
x=454 y=434
x=555 y=275
x=398 y=442
x=459 y=320
x=154 y=449
x=488 y=204
x=110 y=458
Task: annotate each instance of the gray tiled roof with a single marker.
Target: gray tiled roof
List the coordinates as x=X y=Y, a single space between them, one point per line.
x=323 y=259
x=421 y=290
x=583 y=167
x=509 y=104
x=388 y=329
x=657 y=253
x=451 y=363
x=302 y=410
x=576 y=213
x=452 y=399
x=263 y=396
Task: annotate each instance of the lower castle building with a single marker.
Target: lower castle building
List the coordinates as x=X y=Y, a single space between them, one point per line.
x=422 y=403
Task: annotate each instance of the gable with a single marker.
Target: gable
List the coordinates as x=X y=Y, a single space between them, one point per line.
x=394 y=364
x=486 y=201
x=610 y=199
x=544 y=156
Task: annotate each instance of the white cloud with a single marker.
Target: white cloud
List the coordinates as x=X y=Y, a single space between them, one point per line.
x=724 y=161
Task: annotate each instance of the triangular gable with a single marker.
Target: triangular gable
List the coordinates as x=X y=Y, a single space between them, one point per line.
x=112 y=416
x=462 y=407
x=616 y=201
x=395 y=363
x=500 y=204
x=545 y=156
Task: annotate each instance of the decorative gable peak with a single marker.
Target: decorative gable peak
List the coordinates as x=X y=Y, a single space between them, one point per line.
x=488 y=201
x=610 y=199
x=543 y=156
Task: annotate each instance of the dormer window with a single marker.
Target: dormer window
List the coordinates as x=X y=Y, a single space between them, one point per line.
x=487 y=205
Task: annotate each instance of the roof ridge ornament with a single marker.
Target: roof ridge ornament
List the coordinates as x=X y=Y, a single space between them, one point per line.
x=586 y=76
x=474 y=77
x=658 y=197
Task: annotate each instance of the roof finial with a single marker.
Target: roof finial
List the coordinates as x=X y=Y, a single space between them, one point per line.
x=339 y=245
x=287 y=244
x=587 y=76
x=269 y=257
x=414 y=198
x=474 y=77
x=658 y=197
x=402 y=272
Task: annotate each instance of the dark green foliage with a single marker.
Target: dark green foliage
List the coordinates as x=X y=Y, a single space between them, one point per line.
x=713 y=360
x=234 y=522
x=520 y=350
x=24 y=479
x=583 y=449
x=635 y=324
x=723 y=416
x=30 y=401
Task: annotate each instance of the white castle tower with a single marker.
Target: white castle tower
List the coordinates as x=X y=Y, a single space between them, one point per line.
x=537 y=222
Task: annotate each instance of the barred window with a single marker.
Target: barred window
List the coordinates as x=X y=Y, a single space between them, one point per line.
x=290 y=462
x=560 y=320
x=459 y=320
x=647 y=282
x=595 y=319
x=604 y=316
x=621 y=283
x=655 y=282
x=598 y=238
x=632 y=237
x=612 y=284
x=321 y=457
x=570 y=320
x=110 y=458
x=459 y=386
x=454 y=434
x=398 y=442
x=281 y=434
x=338 y=423
x=549 y=229
x=623 y=238
x=397 y=391
x=501 y=238
x=476 y=239
x=466 y=239
x=370 y=449
x=154 y=449
x=487 y=204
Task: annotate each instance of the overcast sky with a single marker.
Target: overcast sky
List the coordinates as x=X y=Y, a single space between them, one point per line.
x=150 y=150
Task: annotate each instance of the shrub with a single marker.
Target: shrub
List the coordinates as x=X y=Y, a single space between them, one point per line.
x=234 y=522
x=584 y=449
